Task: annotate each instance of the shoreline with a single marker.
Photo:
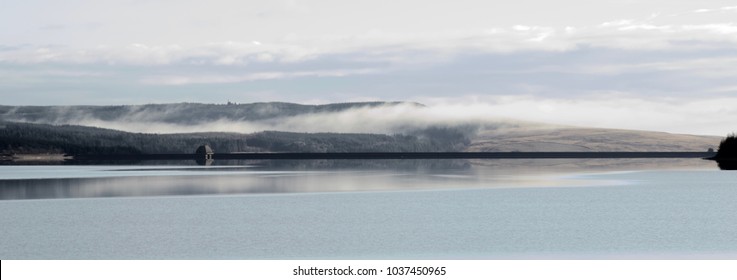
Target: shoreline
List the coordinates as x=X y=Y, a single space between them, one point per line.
x=401 y=155
x=35 y=157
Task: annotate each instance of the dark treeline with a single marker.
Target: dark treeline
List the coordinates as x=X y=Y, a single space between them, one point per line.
x=19 y=138
x=37 y=138
x=728 y=148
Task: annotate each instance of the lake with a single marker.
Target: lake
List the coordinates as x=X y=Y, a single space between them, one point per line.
x=375 y=209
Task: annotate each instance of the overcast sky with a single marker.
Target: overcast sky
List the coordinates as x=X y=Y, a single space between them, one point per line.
x=651 y=65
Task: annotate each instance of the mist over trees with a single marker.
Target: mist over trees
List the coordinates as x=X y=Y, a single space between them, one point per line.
x=52 y=129
x=177 y=113
x=288 y=127
x=18 y=138
x=429 y=140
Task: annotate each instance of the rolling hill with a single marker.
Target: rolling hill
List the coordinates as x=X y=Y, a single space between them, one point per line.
x=288 y=127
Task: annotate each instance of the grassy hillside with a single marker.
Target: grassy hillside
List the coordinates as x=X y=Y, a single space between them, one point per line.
x=571 y=139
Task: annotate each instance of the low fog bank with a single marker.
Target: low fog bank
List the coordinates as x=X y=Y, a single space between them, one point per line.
x=375 y=117
x=479 y=127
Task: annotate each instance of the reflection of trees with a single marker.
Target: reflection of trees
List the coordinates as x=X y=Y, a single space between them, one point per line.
x=382 y=164
x=727 y=164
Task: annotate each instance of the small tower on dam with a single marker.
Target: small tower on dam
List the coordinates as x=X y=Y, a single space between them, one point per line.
x=204 y=152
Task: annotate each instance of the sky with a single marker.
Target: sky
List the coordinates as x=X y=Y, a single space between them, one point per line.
x=648 y=65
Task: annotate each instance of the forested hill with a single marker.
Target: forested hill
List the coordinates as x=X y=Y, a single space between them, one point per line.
x=18 y=138
x=177 y=113
x=401 y=127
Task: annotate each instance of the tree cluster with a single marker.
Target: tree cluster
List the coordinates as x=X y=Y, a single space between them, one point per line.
x=350 y=142
x=16 y=138
x=728 y=147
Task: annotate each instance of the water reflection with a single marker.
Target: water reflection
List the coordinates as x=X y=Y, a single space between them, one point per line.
x=515 y=165
x=205 y=162
x=281 y=182
x=297 y=176
x=727 y=164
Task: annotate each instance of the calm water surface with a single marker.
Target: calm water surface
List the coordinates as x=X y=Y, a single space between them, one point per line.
x=486 y=209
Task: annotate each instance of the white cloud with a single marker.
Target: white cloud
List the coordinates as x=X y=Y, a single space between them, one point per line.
x=645 y=27
x=620 y=22
x=722 y=28
x=722 y=9
x=710 y=67
x=222 y=79
x=624 y=34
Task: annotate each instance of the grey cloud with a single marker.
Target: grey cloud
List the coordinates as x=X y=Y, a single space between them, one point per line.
x=357 y=76
x=257 y=76
x=621 y=34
